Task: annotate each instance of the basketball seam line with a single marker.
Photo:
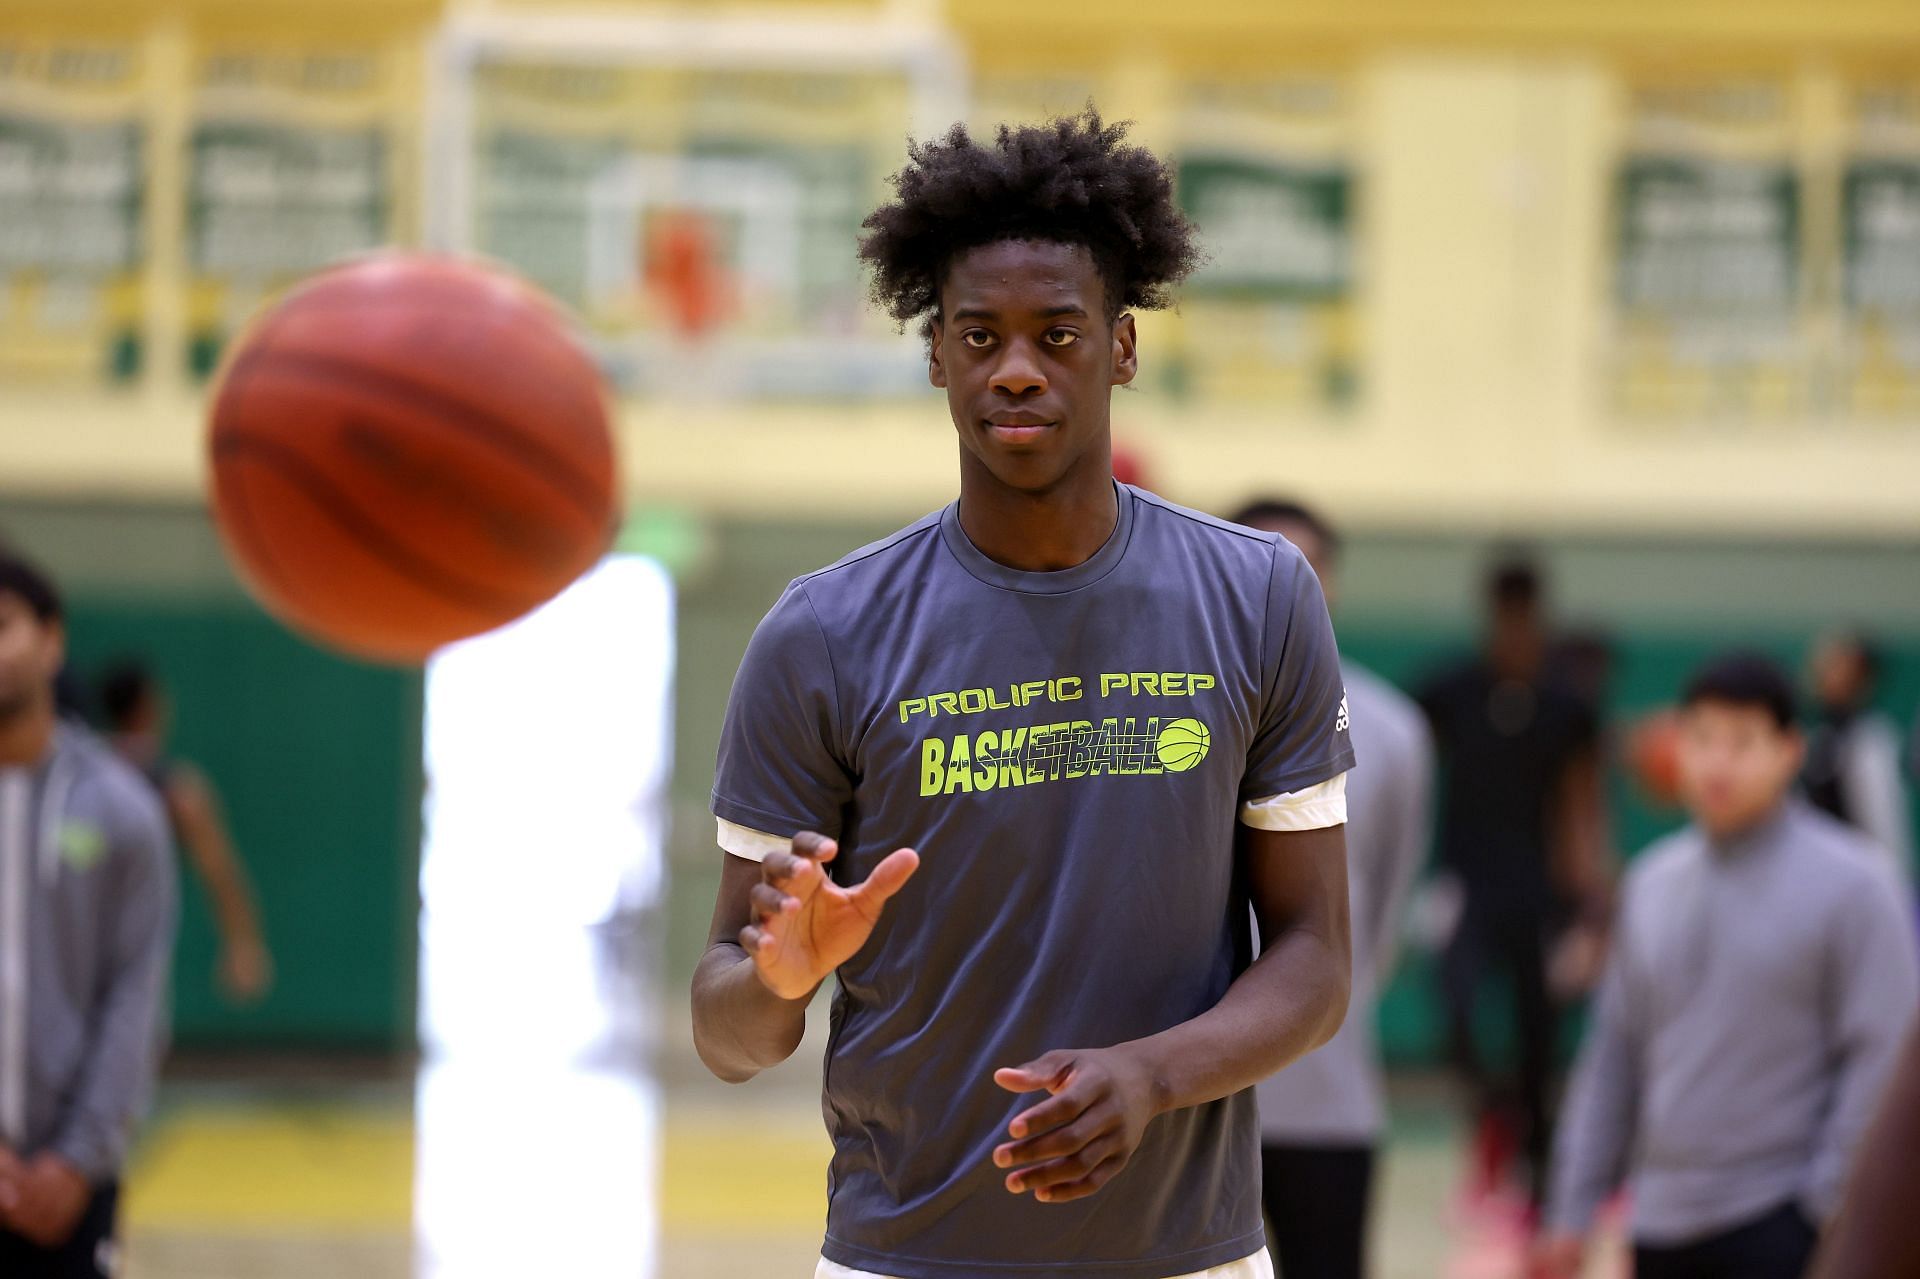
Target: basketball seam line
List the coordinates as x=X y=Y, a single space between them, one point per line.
x=336 y=503
x=497 y=432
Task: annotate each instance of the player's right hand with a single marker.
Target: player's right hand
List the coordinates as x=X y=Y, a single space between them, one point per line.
x=805 y=925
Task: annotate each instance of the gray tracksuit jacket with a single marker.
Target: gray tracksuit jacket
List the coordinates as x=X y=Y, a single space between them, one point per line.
x=86 y=931
x=1755 y=1001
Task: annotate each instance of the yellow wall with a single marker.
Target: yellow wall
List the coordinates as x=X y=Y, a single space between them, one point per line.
x=1485 y=133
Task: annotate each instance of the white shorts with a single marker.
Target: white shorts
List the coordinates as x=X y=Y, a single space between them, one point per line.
x=1258 y=1266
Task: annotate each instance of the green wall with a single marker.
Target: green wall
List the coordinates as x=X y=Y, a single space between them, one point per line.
x=315 y=760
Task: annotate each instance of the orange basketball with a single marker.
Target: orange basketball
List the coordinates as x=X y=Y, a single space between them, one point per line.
x=1653 y=756
x=408 y=450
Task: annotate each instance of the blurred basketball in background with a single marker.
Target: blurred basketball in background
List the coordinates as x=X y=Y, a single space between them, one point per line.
x=408 y=450
x=1653 y=756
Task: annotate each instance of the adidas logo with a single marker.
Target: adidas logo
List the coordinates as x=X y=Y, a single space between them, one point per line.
x=1340 y=724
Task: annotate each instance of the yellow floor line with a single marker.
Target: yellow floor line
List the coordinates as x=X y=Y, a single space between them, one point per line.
x=723 y=1169
x=242 y=1169
x=226 y=1168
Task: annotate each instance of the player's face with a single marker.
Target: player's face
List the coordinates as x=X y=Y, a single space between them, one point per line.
x=30 y=655
x=1028 y=360
x=1736 y=763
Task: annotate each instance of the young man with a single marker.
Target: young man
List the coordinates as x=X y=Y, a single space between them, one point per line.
x=86 y=926
x=1762 y=979
x=1321 y=1118
x=1014 y=773
x=135 y=710
x=1520 y=823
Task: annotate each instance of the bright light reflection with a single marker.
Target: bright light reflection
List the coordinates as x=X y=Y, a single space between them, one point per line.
x=547 y=752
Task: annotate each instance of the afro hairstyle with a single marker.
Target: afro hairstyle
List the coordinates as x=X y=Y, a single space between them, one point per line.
x=1071 y=180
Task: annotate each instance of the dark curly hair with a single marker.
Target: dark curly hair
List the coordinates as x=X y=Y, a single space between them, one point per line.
x=1071 y=180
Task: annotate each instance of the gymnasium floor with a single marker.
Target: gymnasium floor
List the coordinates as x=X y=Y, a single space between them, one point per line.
x=287 y=1178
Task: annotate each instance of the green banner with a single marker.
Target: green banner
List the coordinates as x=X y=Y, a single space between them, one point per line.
x=1707 y=237
x=268 y=203
x=1273 y=231
x=1707 y=283
x=1880 y=203
x=1880 y=216
x=73 y=154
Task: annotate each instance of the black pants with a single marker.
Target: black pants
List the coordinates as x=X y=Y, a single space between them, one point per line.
x=1509 y=938
x=1777 y=1246
x=1317 y=1199
x=88 y=1254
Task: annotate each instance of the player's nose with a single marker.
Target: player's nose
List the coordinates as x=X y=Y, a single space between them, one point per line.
x=1018 y=371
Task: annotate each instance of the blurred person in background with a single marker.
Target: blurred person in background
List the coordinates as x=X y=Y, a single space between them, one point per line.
x=86 y=926
x=1106 y=725
x=69 y=696
x=1760 y=984
x=1853 y=751
x=1323 y=1117
x=1582 y=658
x=1522 y=836
x=135 y=714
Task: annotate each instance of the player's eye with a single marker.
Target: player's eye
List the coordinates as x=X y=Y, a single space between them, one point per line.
x=978 y=339
x=1060 y=337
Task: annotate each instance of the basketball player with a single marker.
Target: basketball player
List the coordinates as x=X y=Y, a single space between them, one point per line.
x=1762 y=979
x=1322 y=1117
x=1013 y=774
x=86 y=926
x=1520 y=823
x=136 y=711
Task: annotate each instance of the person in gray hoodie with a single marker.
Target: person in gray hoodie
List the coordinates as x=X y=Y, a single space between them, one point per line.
x=86 y=928
x=1761 y=981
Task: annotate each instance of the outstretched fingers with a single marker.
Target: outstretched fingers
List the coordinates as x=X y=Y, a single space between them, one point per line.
x=894 y=870
x=769 y=903
x=759 y=943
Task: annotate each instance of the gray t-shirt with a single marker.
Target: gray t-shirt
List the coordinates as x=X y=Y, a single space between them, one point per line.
x=1067 y=751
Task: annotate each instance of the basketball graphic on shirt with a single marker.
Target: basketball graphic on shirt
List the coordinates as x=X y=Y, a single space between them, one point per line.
x=1182 y=744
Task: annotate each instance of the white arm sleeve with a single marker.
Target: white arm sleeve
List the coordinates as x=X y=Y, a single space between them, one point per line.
x=744 y=841
x=1314 y=808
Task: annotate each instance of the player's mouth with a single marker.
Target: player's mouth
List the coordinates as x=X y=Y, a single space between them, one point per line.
x=1017 y=428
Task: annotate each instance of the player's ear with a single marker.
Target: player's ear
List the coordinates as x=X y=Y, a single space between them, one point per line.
x=1794 y=751
x=936 y=371
x=1125 y=361
x=54 y=645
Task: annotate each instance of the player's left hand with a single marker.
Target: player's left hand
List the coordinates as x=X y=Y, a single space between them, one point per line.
x=44 y=1199
x=1079 y=1139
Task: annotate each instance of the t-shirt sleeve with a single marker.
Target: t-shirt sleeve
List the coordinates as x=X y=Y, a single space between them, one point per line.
x=782 y=763
x=1302 y=738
